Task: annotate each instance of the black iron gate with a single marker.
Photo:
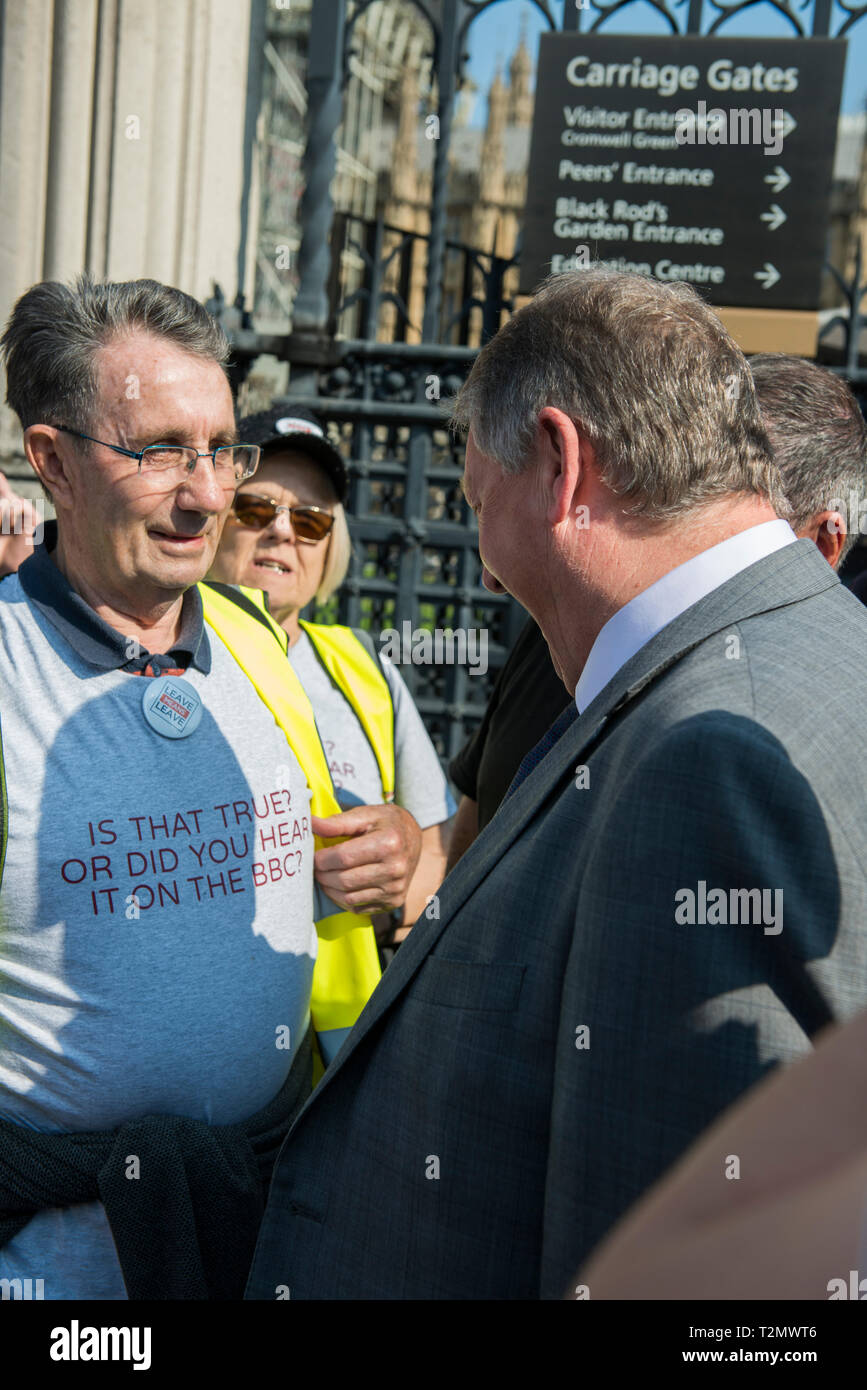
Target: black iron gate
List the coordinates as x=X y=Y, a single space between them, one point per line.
x=415 y=559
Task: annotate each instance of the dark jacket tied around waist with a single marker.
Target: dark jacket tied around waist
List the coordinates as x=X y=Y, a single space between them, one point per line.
x=186 y=1227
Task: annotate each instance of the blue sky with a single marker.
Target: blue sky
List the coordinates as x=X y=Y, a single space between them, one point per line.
x=495 y=34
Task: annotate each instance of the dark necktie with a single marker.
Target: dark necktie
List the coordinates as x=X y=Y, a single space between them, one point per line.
x=545 y=744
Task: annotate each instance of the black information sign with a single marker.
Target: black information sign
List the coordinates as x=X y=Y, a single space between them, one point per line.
x=701 y=159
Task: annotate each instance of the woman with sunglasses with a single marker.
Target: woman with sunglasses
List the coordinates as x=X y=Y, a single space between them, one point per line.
x=287 y=534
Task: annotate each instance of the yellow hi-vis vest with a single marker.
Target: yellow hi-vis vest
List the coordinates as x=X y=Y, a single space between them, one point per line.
x=347 y=968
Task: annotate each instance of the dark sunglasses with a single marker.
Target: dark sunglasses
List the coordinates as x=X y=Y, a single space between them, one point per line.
x=310 y=524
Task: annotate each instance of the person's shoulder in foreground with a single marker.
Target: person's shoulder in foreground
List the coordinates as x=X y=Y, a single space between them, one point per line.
x=673 y=900
x=794 y=1154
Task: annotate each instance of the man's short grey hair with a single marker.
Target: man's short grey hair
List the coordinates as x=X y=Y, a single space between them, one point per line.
x=819 y=438
x=648 y=373
x=55 y=330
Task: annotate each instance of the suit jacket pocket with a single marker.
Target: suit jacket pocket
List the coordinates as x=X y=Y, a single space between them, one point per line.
x=464 y=984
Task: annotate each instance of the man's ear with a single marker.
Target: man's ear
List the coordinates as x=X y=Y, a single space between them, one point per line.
x=827 y=530
x=50 y=466
x=563 y=451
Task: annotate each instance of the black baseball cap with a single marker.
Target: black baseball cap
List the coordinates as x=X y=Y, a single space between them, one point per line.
x=293 y=427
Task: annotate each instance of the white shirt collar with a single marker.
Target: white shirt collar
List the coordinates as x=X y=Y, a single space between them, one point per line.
x=633 y=625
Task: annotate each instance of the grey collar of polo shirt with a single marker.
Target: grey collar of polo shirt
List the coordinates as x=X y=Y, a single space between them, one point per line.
x=93 y=639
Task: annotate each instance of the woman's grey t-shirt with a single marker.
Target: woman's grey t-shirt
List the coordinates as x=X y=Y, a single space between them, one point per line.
x=420 y=784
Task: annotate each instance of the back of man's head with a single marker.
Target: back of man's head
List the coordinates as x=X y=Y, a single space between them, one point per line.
x=649 y=374
x=819 y=438
x=55 y=330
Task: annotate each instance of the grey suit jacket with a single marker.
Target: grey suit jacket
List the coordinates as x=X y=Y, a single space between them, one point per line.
x=542 y=1051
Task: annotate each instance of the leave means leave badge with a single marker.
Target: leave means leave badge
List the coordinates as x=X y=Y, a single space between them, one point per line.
x=171 y=706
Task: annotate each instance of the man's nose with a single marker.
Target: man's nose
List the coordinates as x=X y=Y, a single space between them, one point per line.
x=202 y=490
x=490 y=582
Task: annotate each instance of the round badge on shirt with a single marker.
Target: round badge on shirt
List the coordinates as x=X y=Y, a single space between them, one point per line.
x=172 y=706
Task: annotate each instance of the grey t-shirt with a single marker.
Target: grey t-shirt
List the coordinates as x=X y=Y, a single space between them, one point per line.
x=157 y=936
x=420 y=785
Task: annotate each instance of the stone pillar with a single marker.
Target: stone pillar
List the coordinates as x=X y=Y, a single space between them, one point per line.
x=216 y=71
x=69 y=141
x=132 y=137
x=170 y=132
x=123 y=146
x=96 y=255
x=25 y=46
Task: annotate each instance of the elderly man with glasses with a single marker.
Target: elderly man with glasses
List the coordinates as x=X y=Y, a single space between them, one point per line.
x=158 y=934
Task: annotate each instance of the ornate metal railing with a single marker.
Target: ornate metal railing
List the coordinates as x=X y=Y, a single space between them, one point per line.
x=474 y=303
x=415 y=548
x=415 y=560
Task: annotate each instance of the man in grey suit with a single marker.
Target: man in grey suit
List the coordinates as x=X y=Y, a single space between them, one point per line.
x=672 y=898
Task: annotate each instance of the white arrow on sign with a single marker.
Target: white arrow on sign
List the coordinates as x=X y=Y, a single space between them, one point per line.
x=785 y=126
x=778 y=180
x=769 y=275
x=775 y=218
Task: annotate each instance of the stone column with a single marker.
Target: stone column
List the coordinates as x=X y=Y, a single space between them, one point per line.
x=96 y=254
x=160 y=209
x=25 y=52
x=212 y=245
x=123 y=146
x=132 y=136
x=69 y=141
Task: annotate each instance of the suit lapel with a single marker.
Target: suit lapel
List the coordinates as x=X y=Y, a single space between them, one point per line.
x=789 y=575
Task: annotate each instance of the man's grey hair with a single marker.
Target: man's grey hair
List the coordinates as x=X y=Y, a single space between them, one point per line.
x=55 y=330
x=647 y=372
x=819 y=438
